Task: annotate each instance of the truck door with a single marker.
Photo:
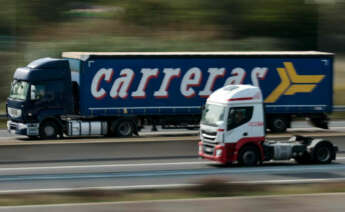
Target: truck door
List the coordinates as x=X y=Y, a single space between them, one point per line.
x=47 y=96
x=237 y=123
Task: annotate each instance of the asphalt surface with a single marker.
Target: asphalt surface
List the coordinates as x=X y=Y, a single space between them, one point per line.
x=139 y=165
x=333 y=202
x=151 y=160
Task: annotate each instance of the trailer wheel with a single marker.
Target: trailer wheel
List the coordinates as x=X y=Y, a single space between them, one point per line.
x=323 y=153
x=124 y=128
x=248 y=156
x=48 y=130
x=278 y=124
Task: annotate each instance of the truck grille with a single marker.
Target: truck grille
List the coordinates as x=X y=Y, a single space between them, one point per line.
x=208 y=148
x=208 y=136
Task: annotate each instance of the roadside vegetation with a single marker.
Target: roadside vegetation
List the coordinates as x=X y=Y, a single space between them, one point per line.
x=206 y=188
x=46 y=28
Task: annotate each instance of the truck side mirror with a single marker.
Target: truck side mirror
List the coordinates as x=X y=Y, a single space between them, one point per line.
x=33 y=93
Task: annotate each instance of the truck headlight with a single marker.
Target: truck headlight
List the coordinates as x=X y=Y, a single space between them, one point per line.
x=219 y=152
x=14 y=113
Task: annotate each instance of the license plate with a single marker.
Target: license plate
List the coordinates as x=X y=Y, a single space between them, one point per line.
x=208 y=149
x=12 y=132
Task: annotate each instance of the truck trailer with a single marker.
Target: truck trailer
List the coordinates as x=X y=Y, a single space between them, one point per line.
x=116 y=94
x=232 y=129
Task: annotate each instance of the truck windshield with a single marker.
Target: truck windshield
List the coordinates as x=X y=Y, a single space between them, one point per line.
x=212 y=114
x=19 y=90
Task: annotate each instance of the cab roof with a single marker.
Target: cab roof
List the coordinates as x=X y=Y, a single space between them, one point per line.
x=236 y=94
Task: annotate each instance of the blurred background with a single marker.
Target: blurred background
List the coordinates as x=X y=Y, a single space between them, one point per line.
x=45 y=28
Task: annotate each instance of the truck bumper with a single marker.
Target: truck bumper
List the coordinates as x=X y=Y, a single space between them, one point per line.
x=219 y=153
x=29 y=129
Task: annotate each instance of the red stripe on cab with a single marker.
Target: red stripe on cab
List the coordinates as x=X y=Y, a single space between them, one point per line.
x=240 y=99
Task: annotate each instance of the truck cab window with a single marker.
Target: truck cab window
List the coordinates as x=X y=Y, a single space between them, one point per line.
x=212 y=114
x=19 y=90
x=37 y=92
x=238 y=116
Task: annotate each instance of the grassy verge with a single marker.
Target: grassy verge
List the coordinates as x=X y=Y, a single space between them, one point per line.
x=208 y=188
x=337 y=116
x=3 y=123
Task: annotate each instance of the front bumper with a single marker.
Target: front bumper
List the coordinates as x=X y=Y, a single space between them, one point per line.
x=29 y=129
x=219 y=153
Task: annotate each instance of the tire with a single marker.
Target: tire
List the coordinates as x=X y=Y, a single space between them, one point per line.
x=278 y=124
x=248 y=156
x=323 y=153
x=124 y=128
x=48 y=130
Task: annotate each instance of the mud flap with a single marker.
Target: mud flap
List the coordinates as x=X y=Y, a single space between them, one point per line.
x=320 y=122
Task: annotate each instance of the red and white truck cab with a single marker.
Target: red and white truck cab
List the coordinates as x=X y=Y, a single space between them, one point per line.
x=232 y=129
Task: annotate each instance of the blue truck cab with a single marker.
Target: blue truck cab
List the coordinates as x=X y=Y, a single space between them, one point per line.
x=40 y=94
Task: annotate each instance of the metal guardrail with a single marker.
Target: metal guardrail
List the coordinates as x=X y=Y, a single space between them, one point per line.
x=336 y=108
x=339 y=108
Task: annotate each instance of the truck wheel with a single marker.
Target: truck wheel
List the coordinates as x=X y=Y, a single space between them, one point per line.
x=278 y=124
x=323 y=153
x=248 y=156
x=124 y=128
x=48 y=130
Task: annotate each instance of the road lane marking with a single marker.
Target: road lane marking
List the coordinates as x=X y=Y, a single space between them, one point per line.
x=292 y=181
x=129 y=187
x=106 y=166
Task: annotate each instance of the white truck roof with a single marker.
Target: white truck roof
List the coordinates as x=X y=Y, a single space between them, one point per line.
x=236 y=94
x=87 y=55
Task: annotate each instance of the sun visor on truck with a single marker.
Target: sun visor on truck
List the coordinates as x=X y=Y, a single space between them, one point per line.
x=43 y=69
x=49 y=63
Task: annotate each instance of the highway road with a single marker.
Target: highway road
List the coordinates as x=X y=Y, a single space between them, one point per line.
x=142 y=162
x=333 y=202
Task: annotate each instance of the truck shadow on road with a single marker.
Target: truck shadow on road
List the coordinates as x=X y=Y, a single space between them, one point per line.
x=272 y=165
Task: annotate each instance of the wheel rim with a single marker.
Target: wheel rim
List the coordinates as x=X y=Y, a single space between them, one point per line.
x=49 y=131
x=323 y=154
x=125 y=128
x=279 y=124
x=249 y=157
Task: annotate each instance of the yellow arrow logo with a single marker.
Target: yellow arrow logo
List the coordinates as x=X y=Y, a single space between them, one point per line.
x=292 y=83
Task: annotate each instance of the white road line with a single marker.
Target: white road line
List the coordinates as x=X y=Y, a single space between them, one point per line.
x=106 y=166
x=130 y=187
x=292 y=181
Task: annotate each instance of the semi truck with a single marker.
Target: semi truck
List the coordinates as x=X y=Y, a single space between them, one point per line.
x=232 y=129
x=116 y=94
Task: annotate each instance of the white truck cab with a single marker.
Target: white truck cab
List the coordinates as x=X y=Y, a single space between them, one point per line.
x=232 y=129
